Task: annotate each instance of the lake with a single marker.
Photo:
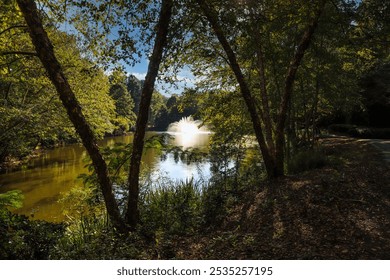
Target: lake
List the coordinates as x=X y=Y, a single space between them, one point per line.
x=46 y=178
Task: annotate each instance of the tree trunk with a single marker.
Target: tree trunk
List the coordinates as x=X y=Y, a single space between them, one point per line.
x=264 y=98
x=45 y=52
x=132 y=215
x=288 y=88
x=315 y=109
x=260 y=61
x=244 y=88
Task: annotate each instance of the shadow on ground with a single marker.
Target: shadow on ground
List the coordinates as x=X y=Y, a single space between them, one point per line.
x=340 y=211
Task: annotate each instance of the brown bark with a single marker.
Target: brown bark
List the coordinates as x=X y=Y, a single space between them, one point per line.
x=314 y=109
x=274 y=162
x=132 y=215
x=244 y=88
x=264 y=98
x=45 y=52
x=260 y=61
x=289 y=84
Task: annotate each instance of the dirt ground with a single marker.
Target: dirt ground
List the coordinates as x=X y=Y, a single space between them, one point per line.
x=340 y=211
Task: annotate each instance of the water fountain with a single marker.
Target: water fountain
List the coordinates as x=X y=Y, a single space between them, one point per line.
x=187 y=125
x=188 y=132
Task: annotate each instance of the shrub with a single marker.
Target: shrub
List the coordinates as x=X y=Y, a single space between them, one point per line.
x=171 y=208
x=88 y=233
x=213 y=204
x=25 y=239
x=12 y=199
x=306 y=160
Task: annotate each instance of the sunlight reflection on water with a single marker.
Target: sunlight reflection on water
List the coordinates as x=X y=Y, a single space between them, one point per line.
x=56 y=172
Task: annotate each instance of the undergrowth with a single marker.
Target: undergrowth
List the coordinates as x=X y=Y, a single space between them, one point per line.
x=306 y=160
x=168 y=209
x=21 y=238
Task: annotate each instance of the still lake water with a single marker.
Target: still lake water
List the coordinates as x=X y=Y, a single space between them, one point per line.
x=46 y=178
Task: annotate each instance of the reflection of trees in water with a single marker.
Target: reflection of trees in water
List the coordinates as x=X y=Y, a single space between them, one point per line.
x=57 y=170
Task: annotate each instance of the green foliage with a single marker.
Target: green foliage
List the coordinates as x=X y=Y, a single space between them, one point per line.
x=171 y=208
x=30 y=110
x=375 y=86
x=176 y=108
x=232 y=135
x=371 y=32
x=134 y=87
x=157 y=106
x=88 y=233
x=350 y=42
x=13 y=199
x=22 y=239
x=98 y=244
x=188 y=155
x=124 y=104
x=214 y=200
x=118 y=157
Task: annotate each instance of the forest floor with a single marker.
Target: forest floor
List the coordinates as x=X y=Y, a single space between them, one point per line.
x=340 y=211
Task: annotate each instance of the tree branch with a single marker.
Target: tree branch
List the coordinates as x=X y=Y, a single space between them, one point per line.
x=12 y=27
x=294 y=64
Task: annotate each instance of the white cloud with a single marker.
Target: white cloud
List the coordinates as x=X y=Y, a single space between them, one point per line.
x=139 y=76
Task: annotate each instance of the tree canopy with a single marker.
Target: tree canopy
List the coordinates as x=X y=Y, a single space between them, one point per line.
x=272 y=71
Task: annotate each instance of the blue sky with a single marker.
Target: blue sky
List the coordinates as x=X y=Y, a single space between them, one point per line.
x=140 y=69
x=185 y=76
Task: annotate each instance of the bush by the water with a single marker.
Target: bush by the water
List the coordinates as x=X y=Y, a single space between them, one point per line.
x=23 y=239
x=171 y=208
x=167 y=210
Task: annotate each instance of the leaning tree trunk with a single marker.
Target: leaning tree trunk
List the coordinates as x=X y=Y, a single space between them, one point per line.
x=132 y=214
x=274 y=163
x=288 y=87
x=212 y=17
x=45 y=52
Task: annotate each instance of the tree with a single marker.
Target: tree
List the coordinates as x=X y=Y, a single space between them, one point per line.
x=132 y=214
x=372 y=28
x=376 y=93
x=124 y=104
x=250 y=54
x=45 y=52
x=175 y=108
x=30 y=111
x=157 y=105
x=134 y=86
x=269 y=137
